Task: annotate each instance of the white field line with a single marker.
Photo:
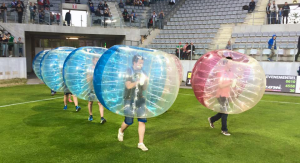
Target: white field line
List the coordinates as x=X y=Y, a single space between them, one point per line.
x=260 y=100
x=48 y=99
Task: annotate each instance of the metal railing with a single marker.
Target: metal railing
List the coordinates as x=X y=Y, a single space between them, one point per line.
x=11 y=49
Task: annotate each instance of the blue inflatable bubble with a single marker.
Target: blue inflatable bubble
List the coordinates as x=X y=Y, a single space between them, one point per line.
x=52 y=67
x=36 y=63
x=136 y=82
x=78 y=71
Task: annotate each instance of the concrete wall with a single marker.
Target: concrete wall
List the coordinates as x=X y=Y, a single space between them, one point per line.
x=266 y=28
x=270 y=68
x=13 y=68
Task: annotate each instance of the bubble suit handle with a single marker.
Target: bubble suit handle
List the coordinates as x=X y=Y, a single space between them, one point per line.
x=78 y=71
x=136 y=82
x=228 y=82
x=52 y=67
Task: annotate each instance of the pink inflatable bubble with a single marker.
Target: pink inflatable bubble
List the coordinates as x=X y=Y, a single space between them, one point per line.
x=228 y=82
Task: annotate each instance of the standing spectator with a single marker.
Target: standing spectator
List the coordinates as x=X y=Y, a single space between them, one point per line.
x=106 y=16
x=154 y=16
x=128 y=2
x=184 y=54
x=20 y=47
x=172 y=2
x=178 y=50
x=268 y=11
x=125 y=15
x=132 y=16
x=251 y=6
x=121 y=4
x=272 y=46
x=52 y=18
x=68 y=18
x=190 y=50
x=13 y=4
x=21 y=3
x=105 y=5
x=228 y=46
x=40 y=4
x=161 y=16
x=3 y=10
x=10 y=44
x=4 y=45
x=297 y=55
x=274 y=10
x=92 y=8
x=279 y=15
x=286 y=11
x=41 y=15
x=57 y=18
x=100 y=6
x=146 y=3
x=19 y=9
x=32 y=10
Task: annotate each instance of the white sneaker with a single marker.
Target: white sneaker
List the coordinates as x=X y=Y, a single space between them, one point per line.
x=142 y=147
x=10 y=56
x=120 y=135
x=226 y=133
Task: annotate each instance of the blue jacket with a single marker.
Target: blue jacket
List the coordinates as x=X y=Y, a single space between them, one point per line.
x=271 y=42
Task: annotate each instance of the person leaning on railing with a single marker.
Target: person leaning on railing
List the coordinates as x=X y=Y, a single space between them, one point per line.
x=19 y=10
x=3 y=11
x=5 y=39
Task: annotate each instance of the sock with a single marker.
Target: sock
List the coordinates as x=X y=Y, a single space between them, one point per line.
x=140 y=143
x=102 y=118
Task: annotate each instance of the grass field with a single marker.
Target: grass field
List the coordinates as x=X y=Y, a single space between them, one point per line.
x=43 y=132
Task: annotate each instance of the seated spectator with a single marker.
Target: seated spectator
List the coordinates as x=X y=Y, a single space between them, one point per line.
x=90 y=2
x=106 y=15
x=105 y=5
x=172 y=2
x=189 y=49
x=46 y=4
x=140 y=3
x=92 y=8
x=178 y=50
x=128 y=2
x=57 y=18
x=146 y=2
x=133 y=16
x=184 y=54
x=251 y=6
x=98 y=13
x=125 y=15
x=228 y=46
x=121 y=4
x=13 y=4
x=101 y=6
x=136 y=2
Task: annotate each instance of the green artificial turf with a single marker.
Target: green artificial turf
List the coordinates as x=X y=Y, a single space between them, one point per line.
x=43 y=132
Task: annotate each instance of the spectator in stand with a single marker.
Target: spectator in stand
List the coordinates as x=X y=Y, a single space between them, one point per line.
x=20 y=47
x=279 y=16
x=5 y=39
x=146 y=2
x=128 y=2
x=135 y=3
x=121 y=4
x=98 y=13
x=13 y=4
x=10 y=44
x=179 y=49
x=105 y=5
x=21 y=3
x=268 y=11
x=42 y=15
x=52 y=19
x=100 y=6
x=154 y=19
x=46 y=4
x=32 y=10
x=228 y=46
x=90 y=2
x=190 y=50
x=133 y=16
x=172 y=2
x=298 y=46
x=272 y=46
x=92 y=8
x=161 y=16
x=140 y=3
x=3 y=11
x=57 y=18
x=68 y=17
x=184 y=54
x=19 y=10
x=251 y=6
x=274 y=11
x=125 y=15
x=40 y=4
x=286 y=11
x=106 y=16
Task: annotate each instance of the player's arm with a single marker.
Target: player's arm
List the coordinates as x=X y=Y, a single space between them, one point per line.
x=130 y=85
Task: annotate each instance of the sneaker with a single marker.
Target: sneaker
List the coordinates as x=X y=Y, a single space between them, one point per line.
x=52 y=93
x=78 y=108
x=90 y=118
x=70 y=100
x=226 y=133
x=142 y=147
x=102 y=121
x=120 y=135
x=65 y=108
x=210 y=124
x=269 y=59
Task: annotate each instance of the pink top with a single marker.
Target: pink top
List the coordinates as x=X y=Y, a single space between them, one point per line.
x=225 y=77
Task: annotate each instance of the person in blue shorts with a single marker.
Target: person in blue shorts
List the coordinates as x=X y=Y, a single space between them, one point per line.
x=134 y=102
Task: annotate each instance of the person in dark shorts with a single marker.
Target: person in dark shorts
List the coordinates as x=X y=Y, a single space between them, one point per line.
x=66 y=95
x=134 y=101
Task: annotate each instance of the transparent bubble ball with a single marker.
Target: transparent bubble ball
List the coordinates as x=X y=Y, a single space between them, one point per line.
x=36 y=63
x=136 y=82
x=52 y=67
x=230 y=86
x=78 y=71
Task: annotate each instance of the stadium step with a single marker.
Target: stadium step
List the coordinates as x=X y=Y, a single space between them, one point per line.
x=258 y=17
x=151 y=37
